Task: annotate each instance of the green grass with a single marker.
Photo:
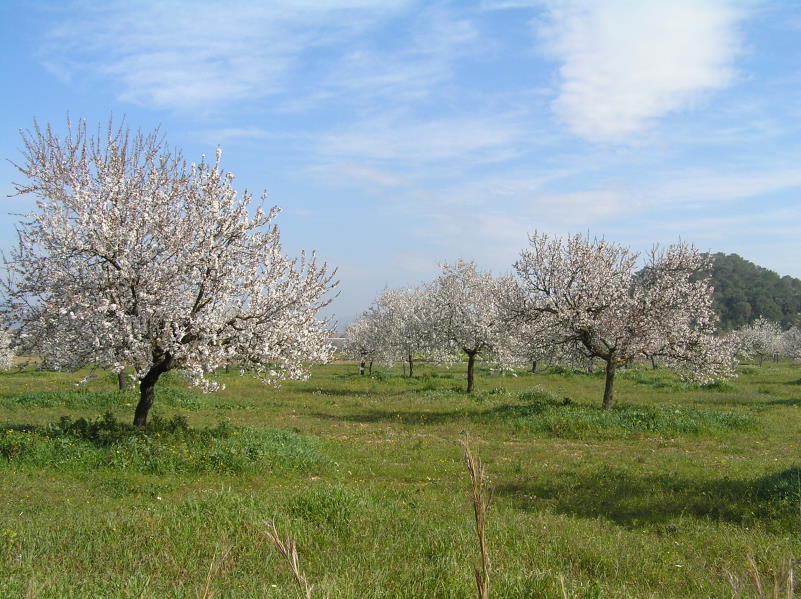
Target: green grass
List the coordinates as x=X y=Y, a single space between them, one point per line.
x=164 y=447
x=665 y=496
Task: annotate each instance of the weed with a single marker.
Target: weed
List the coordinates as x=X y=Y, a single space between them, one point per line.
x=480 y=497
x=288 y=549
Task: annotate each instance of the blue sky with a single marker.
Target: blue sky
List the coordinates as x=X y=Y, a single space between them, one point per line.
x=398 y=134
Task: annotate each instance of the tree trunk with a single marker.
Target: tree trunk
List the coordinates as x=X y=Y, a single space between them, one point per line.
x=533 y=367
x=609 y=387
x=147 y=387
x=471 y=361
x=361 y=368
x=653 y=363
x=411 y=366
x=590 y=365
x=371 y=368
x=122 y=381
x=403 y=366
x=227 y=369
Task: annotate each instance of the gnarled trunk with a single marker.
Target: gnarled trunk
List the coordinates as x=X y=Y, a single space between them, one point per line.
x=609 y=387
x=361 y=368
x=471 y=362
x=533 y=367
x=162 y=362
x=411 y=366
x=122 y=381
x=370 y=371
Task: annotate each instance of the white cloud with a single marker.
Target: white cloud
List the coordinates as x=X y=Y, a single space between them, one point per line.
x=625 y=63
x=191 y=55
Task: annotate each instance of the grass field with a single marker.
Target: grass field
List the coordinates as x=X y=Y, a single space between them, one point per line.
x=669 y=495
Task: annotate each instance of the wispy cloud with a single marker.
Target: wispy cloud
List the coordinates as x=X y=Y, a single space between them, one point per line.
x=625 y=63
x=711 y=188
x=371 y=176
x=482 y=139
x=433 y=41
x=190 y=55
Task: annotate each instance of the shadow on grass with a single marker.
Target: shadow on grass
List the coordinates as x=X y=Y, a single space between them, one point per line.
x=403 y=417
x=784 y=402
x=653 y=501
x=560 y=417
x=388 y=387
x=318 y=390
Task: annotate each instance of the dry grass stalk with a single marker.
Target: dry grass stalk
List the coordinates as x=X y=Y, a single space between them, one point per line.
x=214 y=566
x=480 y=496
x=782 y=586
x=288 y=549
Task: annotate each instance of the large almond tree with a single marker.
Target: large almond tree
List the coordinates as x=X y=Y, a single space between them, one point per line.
x=598 y=297
x=135 y=258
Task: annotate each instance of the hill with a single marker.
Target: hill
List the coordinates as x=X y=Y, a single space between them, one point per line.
x=745 y=291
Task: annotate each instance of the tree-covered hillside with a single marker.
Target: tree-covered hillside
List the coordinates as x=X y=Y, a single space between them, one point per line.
x=745 y=291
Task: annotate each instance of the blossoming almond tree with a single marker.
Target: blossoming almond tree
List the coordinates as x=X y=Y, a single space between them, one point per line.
x=365 y=340
x=761 y=339
x=468 y=314
x=134 y=257
x=791 y=343
x=590 y=290
x=404 y=317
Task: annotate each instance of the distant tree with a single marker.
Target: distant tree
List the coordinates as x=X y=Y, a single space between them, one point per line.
x=761 y=339
x=134 y=257
x=525 y=346
x=591 y=291
x=791 y=343
x=467 y=312
x=6 y=350
x=527 y=342
x=404 y=318
x=364 y=341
